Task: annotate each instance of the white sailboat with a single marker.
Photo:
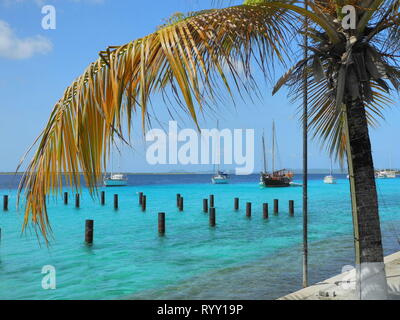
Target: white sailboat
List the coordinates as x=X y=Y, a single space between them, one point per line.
x=115 y=179
x=391 y=174
x=330 y=179
x=385 y=174
x=220 y=176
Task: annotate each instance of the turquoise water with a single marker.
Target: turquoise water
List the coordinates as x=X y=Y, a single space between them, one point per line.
x=240 y=259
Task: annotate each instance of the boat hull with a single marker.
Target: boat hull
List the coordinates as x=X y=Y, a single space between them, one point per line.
x=330 y=180
x=275 y=183
x=219 y=181
x=115 y=183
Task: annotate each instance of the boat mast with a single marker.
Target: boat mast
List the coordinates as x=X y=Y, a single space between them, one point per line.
x=331 y=167
x=218 y=150
x=273 y=146
x=265 y=158
x=112 y=160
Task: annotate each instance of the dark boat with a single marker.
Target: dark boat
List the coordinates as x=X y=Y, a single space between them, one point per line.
x=281 y=178
x=275 y=179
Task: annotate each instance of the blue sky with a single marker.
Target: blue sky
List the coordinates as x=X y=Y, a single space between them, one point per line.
x=37 y=65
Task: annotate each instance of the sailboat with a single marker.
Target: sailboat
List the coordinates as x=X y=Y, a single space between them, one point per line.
x=115 y=179
x=388 y=173
x=220 y=176
x=277 y=178
x=330 y=179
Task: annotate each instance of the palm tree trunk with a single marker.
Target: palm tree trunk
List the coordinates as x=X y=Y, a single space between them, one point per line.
x=371 y=277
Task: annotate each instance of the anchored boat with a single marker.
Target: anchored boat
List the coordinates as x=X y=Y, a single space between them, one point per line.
x=116 y=180
x=385 y=174
x=330 y=179
x=220 y=176
x=277 y=178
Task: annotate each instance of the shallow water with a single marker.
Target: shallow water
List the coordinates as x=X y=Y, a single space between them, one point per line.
x=240 y=259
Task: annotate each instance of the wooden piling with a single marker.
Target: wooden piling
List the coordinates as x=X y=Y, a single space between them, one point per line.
x=205 y=205
x=236 y=204
x=211 y=201
x=103 y=198
x=5 y=202
x=144 y=204
x=265 y=210
x=65 y=198
x=276 y=206
x=212 y=217
x=291 y=208
x=115 y=201
x=161 y=223
x=248 y=209
x=181 y=204
x=77 y=201
x=89 y=231
x=178 y=196
x=140 y=198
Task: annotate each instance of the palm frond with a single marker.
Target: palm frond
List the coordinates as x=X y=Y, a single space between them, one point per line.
x=326 y=118
x=190 y=59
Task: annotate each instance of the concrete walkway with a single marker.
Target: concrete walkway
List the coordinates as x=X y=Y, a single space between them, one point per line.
x=342 y=286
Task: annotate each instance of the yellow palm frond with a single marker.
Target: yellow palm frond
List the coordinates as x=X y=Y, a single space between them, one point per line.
x=189 y=58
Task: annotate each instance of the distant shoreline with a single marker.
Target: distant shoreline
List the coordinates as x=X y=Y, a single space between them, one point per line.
x=297 y=172
x=175 y=173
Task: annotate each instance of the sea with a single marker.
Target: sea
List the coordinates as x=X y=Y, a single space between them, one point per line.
x=240 y=258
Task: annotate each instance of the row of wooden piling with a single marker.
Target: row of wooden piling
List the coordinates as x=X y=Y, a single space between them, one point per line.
x=248 y=206
x=89 y=226
x=208 y=207
x=179 y=203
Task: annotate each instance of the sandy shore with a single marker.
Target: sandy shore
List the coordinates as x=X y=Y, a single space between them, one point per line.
x=342 y=286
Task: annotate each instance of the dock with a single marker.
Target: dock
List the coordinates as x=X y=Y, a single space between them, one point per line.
x=342 y=286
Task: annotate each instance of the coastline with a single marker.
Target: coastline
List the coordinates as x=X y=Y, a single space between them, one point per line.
x=339 y=287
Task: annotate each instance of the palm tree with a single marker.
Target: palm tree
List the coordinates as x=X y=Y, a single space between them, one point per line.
x=194 y=58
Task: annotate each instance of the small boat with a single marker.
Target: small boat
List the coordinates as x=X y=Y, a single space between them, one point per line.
x=330 y=179
x=391 y=174
x=385 y=174
x=220 y=178
x=277 y=178
x=116 y=180
x=380 y=175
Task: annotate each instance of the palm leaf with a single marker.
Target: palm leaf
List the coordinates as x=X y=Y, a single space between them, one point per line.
x=174 y=60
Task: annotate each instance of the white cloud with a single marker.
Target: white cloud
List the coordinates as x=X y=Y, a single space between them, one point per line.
x=12 y=47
